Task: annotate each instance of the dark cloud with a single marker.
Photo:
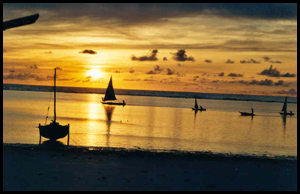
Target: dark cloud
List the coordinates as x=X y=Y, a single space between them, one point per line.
x=288 y=75
x=33 y=66
x=88 y=51
x=116 y=71
x=268 y=59
x=65 y=79
x=58 y=68
x=235 y=75
x=131 y=70
x=275 y=73
x=157 y=70
x=207 y=61
x=131 y=79
x=229 y=61
x=275 y=61
x=181 y=56
x=170 y=71
x=266 y=82
x=288 y=92
x=221 y=74
x=27 y=76
x=132 y=13
x=149 y=80
x=151 y=57
x=250 y=61
x=279 y=83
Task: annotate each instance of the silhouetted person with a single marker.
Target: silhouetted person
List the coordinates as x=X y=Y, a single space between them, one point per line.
x=201 y=107
x=291 y=112
x=252 y=110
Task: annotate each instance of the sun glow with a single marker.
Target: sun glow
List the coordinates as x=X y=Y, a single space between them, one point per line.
x=95 y=73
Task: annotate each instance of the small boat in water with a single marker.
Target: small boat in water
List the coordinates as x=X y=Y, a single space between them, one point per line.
x=54 y=130
x=284 y=109
x=110 y=97
x=196 y=107
x=248 y=113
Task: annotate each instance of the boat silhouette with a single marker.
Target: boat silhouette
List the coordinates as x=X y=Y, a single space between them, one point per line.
x=196 y=107
x=284 y=109
x=110 y=97
x=248 y=113
x=54 y=130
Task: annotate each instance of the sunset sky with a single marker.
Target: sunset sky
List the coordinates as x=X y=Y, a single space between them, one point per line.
x=235 y=48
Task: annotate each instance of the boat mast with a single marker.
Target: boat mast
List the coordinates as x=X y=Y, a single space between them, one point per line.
x=54 y=95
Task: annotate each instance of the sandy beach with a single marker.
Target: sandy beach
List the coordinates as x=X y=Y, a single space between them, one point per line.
x=40 y=168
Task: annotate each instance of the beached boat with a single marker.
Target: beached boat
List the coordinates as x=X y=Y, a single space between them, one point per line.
x=284 y=109
x=110 y=97
x=248 y=113
x=196 y=107
x=54 y=130
x=20 y=21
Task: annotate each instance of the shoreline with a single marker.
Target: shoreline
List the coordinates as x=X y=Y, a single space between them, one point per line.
x=141 y=152
x=37 y=168
x=149 y=93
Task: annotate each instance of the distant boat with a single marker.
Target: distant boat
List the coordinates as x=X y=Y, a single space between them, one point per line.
x=284 y=109
x=248 y=113
x=20 y=21
x=110 y=97
x=196 y=107
x=54 y=131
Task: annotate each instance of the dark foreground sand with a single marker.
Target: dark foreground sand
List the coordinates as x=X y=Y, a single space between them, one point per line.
x=66 y=169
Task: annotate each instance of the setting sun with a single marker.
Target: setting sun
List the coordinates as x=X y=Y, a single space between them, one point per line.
x=95 y=73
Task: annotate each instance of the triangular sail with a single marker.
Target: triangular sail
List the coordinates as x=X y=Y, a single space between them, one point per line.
x=110 y=93
x=284 y=108
x=196 y=104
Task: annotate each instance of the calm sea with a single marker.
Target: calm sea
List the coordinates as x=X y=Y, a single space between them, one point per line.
x=150 y=122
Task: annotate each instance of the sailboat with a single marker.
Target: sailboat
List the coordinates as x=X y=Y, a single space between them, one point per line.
x=110 y=97
x=248 y=113
x=54 y=130
x=284 y=109
x=196 y=107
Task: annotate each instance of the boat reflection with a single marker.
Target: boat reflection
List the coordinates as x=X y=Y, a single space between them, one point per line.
x=53 y=144
x=284 y=123
x=108 y=112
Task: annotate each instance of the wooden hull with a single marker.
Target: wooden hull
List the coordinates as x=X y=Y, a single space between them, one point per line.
x=285 y=114
x=203 y=109
x=54 y=131
x=247 y=114
x=114 y=103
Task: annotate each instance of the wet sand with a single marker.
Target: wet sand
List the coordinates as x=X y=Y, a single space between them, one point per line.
x=40 y=168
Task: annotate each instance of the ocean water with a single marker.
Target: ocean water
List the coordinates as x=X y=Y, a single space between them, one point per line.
x=150 y=122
